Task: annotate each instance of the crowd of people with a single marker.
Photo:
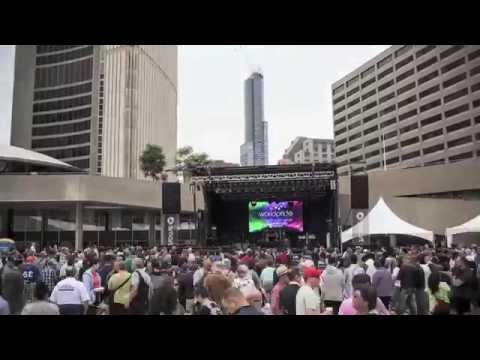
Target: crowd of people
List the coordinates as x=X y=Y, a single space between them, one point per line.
x=256 y=281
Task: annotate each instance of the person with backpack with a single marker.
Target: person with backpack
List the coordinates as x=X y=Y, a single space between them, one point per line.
x=163 y=296
x=139 y=289
x=119 y=290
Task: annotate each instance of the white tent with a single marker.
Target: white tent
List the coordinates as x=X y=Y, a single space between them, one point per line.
x=472 y=225
x=381 y=220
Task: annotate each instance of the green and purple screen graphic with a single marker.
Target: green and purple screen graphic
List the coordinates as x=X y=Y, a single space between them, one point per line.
x=286 y=215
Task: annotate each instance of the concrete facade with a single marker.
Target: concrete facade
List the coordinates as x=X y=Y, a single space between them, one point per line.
x=417 y=104
x=305 y=150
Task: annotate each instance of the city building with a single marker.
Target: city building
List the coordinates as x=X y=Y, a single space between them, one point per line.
x=410 y=106
x=221 y=163
x=96 y=106
x=305 y=150
x=255 y=149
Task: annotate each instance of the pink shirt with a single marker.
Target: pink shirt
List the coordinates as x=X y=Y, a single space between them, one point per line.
x=347 y=308
x=276 y=298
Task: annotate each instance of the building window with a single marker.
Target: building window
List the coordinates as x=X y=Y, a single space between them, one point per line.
x=386 y=85
x=370 y=130
x=393 y=160
x=384 y=61
x=352 y=81
x=425 y=50
x=62 y=104
x=340 y=120
x=475 y=71
x=427 y=63
x=339 y=110
x=458 y=126
x=460 y=141
x=368 y=83
x=61 y=141
x=406 y=88
x=65 y=56
x=63 y=116
x=407 y=115
x=355 y=148
x=386 y=98
x=433 y=149
x=410 y=141
x=353 y=102
x=450 y=51
x=385 y=73
x=405 y=75
x=373 y=166
x=64 y=74
x=355 y=136
x=454 y=80
x=431 y=120
x=68 y=153
x=337 y=100
x=428 y=77
x=453 y=65
x=371 y=154
x=430 y=105
x=435 y=162
x=367 y=95
x=61 y=129
x=387 y=110
x=353 y=114
x=432 y=134
x=459 y=157
x=82 y=164
x=456 y=95
x=477 y=120
x=456 y=111
x=473 y=55
x=338 y=89
x=411 y=155
x=408 y=128
x=367 y=72
x=391 y=147
x=388 y=122
x=342 y=152
x=369 y=106
x=353 y=91
x=390 y=135
x=475 y=87
x=356 y=159
x=403 y=50
x=340 y=131
x=404 y=62
x=370 y=118
x=429 y=91
x=63 y=92
x=371 y=142
x=476 y=103
x=354 y=125
x=407 y=101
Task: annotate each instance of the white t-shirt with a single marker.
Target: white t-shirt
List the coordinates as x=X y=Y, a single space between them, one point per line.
x=427 y=272
x=69 y=292
x=307 y=298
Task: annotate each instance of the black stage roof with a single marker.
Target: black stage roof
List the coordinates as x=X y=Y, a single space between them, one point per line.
x=267 y=169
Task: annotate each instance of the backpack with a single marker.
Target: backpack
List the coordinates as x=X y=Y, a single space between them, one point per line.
x=140 y=303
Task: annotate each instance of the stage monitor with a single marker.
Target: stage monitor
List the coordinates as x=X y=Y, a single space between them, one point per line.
x=287 y=215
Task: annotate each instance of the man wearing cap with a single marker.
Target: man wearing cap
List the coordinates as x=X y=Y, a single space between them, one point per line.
x=308 y=296
x=70 y=295
x=282 y=275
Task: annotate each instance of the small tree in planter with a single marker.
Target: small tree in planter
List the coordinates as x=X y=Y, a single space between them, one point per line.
x=152 y=162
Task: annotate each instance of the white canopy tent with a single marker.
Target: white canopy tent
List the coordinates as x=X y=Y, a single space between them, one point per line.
x=472 y=225
x=381 y=220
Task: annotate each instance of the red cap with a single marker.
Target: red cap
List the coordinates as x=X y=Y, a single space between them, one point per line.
x=311 y=272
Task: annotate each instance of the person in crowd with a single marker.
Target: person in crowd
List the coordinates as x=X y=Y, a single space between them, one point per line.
x=289 y=293
x=203 y=305
x=243 y=280
x=216 y=285
x=368 y=262
x=185 y=287
x=31 y=276
x=93 y=283
x=266 y=277
x=70 y=261
x=106 y=267
x=49 y=276
x=139 y=289
x=382 y=281
x=13 y=284
x=282 y=275
x=347 y=308
x=365 y=300
x=41 y=305
x=462 y=289
x=119 y=290
x=70 y=295
x=235 y=303
x=201 y=273
x=307 y=301
x=4 y=307
x=332 y=285
x=350 y=272
x=411 y=277
x=163 y=296
x=439 y=295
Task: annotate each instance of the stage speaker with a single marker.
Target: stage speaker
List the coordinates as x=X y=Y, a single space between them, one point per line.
x=359 y=192
x=171 y=198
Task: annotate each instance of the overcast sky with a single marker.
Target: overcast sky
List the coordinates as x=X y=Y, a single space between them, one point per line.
x=297 y=85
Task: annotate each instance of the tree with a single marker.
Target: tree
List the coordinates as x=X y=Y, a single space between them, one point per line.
x=187 y=160
x=152 y=161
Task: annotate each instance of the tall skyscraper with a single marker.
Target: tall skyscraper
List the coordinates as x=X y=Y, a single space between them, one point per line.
x=255 y=149
x=96 y=106
x=411 y=105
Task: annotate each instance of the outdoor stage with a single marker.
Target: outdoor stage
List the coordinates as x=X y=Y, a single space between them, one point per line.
x=307 y=192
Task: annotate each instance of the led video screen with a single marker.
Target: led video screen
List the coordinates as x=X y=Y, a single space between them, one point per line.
x=287 y=215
